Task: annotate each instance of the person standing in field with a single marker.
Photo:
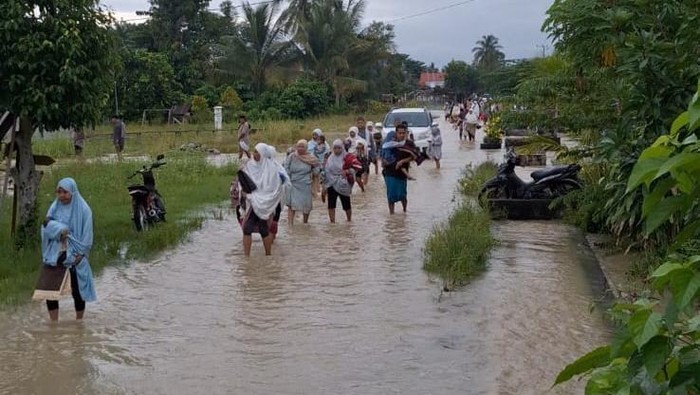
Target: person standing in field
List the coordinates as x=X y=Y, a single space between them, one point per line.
x=243 y=137
x=118 y=135
x=78 y=137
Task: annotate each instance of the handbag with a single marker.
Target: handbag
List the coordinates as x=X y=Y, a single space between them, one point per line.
x=247 y=184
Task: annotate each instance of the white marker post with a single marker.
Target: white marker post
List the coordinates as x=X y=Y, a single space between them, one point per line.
x=218 y=118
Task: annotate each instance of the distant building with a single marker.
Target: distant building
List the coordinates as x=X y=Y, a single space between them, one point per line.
x=432 y=80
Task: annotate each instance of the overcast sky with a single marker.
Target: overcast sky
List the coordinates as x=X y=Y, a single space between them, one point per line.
x=442 y=35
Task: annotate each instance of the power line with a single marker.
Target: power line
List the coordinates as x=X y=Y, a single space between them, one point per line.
x=432 y=11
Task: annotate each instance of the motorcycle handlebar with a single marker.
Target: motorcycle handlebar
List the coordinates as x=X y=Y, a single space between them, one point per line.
x=158 y=163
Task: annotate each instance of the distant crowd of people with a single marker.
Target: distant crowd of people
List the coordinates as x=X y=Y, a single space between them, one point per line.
x=468 y=116
x=314 y=168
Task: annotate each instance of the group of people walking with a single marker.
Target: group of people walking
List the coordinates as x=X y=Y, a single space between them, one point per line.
x=263 y=186
x=467 y=116
x=312 y=168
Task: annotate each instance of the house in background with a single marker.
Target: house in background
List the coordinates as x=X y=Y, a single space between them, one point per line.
x=431 y=80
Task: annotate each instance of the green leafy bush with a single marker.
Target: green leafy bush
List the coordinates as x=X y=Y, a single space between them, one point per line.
x=657 y=348
x=304 y=98
x=200 y=110
x=230 y=100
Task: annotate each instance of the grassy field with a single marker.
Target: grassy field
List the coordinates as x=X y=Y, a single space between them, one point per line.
x=192 y=189
x=152 y=140
x=458 y=249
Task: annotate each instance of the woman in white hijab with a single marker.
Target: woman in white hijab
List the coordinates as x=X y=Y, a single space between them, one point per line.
x=270 y=180
x=354 y=137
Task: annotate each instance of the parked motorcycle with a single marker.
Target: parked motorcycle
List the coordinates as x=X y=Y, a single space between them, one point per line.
x=548 y=183
x=147 y=205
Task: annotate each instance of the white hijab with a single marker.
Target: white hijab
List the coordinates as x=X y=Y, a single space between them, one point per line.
x=355 y=140
x=270 y=179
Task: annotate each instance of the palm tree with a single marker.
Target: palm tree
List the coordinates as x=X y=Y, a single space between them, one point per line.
x=259 y=47
x=487 y=53
x=329 y=41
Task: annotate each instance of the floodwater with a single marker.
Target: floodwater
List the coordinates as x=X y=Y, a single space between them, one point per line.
x=338 y=309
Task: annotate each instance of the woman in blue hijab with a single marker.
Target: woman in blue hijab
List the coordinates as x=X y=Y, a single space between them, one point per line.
x=69 y=222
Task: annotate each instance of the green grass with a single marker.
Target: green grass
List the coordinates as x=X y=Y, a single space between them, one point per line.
x=152 y=140
x=192 y=190
x=458 y=248
x=474 y=178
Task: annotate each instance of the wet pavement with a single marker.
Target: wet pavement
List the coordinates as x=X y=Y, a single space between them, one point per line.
x=337 y=309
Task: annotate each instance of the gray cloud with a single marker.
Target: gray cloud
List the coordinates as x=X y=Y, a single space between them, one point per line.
x=444 y=35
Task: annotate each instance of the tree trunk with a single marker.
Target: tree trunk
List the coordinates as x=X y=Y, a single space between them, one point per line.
x=26 y=179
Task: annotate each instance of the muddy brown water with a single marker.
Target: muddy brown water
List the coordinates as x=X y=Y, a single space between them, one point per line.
x=338 y=309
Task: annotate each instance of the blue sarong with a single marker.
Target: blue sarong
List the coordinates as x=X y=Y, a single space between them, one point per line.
x=396 y=189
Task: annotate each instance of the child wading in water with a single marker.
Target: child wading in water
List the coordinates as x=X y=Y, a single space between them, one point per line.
x=320 y=151
x=435 y=150
x=362 y=174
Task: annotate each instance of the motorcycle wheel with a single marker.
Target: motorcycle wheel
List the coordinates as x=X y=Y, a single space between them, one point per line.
x=563 y=187
x=491 y=192
x=140 y=219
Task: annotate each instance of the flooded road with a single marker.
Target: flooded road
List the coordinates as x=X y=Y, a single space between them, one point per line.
x=338 y=309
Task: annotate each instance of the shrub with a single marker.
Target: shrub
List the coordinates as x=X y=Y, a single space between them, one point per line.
x=200 y=110
x=377 y=107
x=272 y=114
x=474 y=178
x=459 y=249
x=230 y=100
x=304 y=99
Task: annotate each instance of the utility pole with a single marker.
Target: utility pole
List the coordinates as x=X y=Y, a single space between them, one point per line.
x=544 y=49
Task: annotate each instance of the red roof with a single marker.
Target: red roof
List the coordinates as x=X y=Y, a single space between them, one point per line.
x=426 y=78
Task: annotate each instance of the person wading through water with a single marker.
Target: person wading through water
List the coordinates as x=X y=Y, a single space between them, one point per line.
x=69 y=223
x=270 y=182
x=397 y=154
x=339 y=176
x=301 y=166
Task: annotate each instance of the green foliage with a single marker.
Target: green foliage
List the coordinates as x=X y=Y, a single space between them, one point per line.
x=474 y=178
x=146 y=81
x=657 y=347
x=625 y=69
x=377 y=107
x=304 y=98
x=494 y=127
x=459 y=249
x=200 y=110
x=230 y=100
x=58 y=61
x=258 y=47
x=187 y=183
x=461 y=79
x=503 y=80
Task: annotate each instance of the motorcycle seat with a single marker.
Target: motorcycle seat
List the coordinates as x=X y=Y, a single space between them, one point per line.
x=540 y=174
